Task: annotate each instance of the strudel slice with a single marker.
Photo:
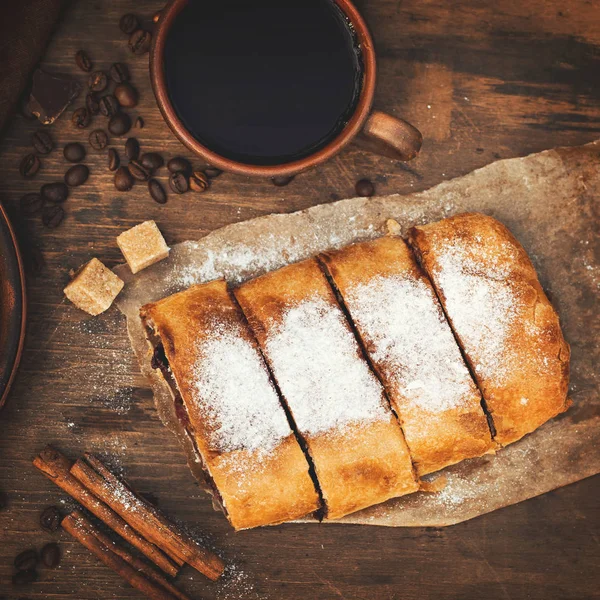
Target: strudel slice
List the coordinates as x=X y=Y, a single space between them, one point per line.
x=507 y=328
x=413 y=350
x=230 y=407
x=338 y=405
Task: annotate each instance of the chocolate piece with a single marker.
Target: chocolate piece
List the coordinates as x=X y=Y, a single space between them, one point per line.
x=51 y=93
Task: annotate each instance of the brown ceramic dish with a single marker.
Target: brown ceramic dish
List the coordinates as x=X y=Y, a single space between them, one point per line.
x=381 y=132
x=12 y=306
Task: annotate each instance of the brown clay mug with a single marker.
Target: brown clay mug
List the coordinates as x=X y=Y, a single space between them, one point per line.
x=375 y=130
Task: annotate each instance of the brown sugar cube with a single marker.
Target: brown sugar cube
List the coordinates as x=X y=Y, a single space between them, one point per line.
x=142 y=246
x=94 y=288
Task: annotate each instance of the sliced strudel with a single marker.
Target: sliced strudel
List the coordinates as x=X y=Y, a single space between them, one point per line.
x=337 y=403
x=507 y=328
x=230 y=407
x=411 y=346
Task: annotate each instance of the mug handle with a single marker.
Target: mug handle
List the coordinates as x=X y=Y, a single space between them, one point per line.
x=390 y=136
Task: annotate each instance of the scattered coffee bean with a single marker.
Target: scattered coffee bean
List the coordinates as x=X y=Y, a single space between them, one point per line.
x=50 y=518
x=123 y=179
x=282 y=180
x=50 y=555
x=77 y=175
x=198 y=182
x=212 y=172
x=29 y=166
x=138 y=170
x=140 y=41
x=114 y=160
x=26 y=561
x=156 y=16
x=178 y=182
x=157 y=191
x=81 y=118
x=32 y=203
x=119 y=72
x=92 y=104
x=52 y=217
x=109 y=105
x=152 y=161
x=98 y=81
x=24 y=577
x=83 y=61
x=56 y=192
x=132 y=148
x=139 y=123
x=119 y=124
x=127 y=95
x=179 y=164
x=98 y=139
x=74 y=152
x=128 y=23
x=42 y=142
x=364 y=188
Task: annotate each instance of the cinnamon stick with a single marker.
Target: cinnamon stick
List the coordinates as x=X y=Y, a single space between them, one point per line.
x=84 y=532
x=134 y=561
x=55 y=466
x=144 y=517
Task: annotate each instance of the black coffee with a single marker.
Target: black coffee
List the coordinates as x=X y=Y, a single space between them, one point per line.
x=263 y=82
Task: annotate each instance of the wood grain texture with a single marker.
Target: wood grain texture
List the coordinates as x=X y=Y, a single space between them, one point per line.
x=481 y=80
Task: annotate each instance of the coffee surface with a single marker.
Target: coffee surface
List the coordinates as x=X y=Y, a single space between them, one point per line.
x=263 y=82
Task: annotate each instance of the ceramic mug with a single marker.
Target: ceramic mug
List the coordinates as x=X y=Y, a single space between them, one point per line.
x=375 y=130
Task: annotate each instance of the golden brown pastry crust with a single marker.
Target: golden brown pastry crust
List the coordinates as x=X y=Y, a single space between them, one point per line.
x=361 y=464
x=256 y=489
x=507 y=328
x=439 y=431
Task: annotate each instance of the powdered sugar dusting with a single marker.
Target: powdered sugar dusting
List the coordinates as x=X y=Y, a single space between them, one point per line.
x=412 y=341
x=325 y=381
x=235 y=394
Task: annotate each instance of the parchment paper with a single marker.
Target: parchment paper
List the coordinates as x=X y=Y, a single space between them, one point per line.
x=550 y=201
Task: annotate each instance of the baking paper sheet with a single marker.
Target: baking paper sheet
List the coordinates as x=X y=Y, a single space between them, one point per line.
x=550 y=201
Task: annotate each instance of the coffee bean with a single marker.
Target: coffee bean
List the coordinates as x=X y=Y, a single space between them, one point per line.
x=138 y=170
x=139 y=123
x=157 y=191
x=50 y=555
x=179 y=164
x=29 y=166
x=26 y=561
x=152 y=161
x=92 y=104
x=83 y=61
x=179 y=182
x=32 y=203
x=50 y=518
x=77 y=175
x=114 y=160
x=119 y=124
x=132 y=148
x=42 y=142
x=98 y=81
x=74 y=152
x=198 y=182
x=81 y=118
x=119 y=72
x=56 y=192
x=156 y=16
x=128 y=23
x=212 y=172
x=281 y=180
x=98 y=139
x=109 y=105
x=364 y=188
x=24 y=577
x=127 y=95
x=140 y=41
x=123 y=179
x=52 y=217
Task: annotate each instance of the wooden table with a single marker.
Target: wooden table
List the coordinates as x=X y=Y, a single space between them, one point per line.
x=482 y=80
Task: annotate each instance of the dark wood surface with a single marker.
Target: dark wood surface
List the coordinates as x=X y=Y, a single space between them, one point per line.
x=482 y=80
